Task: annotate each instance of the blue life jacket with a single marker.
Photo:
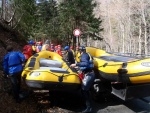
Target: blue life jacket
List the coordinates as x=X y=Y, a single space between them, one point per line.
x=90 y=62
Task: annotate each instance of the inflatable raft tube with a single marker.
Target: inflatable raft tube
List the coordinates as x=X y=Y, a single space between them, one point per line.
x=49 y=63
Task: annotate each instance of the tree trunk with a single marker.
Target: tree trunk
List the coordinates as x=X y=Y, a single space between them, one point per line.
x=140 y=41
x=3 y=16
x=110 y=26
x=145 y=26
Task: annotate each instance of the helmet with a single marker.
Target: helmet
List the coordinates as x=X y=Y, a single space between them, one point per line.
x=40 y=43
x=77 y=47
x=59 y=47
x=82 y=48
x=56 y=47
x=66 y=48
x=31 y=42
x=52 y=49
x=71 y=47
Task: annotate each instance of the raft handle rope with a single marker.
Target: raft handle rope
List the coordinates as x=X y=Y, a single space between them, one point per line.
x=60 y=78
x=124 y=64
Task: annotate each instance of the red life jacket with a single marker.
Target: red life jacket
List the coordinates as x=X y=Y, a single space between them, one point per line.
x=59 y=52
x=27 y=51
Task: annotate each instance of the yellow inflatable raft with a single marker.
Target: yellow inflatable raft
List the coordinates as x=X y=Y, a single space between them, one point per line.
x=47 y=70
x=120 y=68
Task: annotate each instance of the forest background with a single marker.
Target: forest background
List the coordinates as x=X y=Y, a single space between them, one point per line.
x=113 y=25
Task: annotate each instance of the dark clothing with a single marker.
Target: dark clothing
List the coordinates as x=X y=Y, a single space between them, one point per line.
x=70 y=57
x=16 y=82
x=86 y=85
x=87 y=98
x=88 y=79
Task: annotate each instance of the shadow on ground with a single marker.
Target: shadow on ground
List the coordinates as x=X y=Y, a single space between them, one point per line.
x=69 y=102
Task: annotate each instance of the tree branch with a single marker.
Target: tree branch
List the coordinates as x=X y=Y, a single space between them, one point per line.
x=18 y=22
x=12 y=17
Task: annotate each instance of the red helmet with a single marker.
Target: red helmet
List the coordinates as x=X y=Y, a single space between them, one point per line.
x=56 y=47
x=52 y=49
x=40 y=43
x=59 y=47
x=71 y=47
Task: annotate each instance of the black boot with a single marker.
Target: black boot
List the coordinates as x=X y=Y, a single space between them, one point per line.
x=87 y=102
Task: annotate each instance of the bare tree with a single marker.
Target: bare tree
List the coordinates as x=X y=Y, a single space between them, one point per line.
x=126 y=24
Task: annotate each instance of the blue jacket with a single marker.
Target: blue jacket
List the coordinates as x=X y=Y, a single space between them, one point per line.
x=85 y=62
x=12 y=62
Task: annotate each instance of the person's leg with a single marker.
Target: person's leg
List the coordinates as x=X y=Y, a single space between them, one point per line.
x=87 y=98
x=15 y=87
x=87 y=83
x=18 y=75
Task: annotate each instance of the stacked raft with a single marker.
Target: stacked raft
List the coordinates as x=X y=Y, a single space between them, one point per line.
x=115 y=68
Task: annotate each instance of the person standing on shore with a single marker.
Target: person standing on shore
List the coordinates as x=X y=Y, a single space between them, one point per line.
x=13 y=63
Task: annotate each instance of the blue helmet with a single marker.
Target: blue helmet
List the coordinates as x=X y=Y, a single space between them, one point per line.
x=31 y=42
x=66 y=48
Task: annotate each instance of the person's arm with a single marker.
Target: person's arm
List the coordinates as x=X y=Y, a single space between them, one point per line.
x=22 y=57
x=84 y=61
x=82 y=64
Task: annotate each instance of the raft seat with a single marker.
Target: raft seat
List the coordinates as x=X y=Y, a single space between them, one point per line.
x=55 y=69
x=50 y=63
